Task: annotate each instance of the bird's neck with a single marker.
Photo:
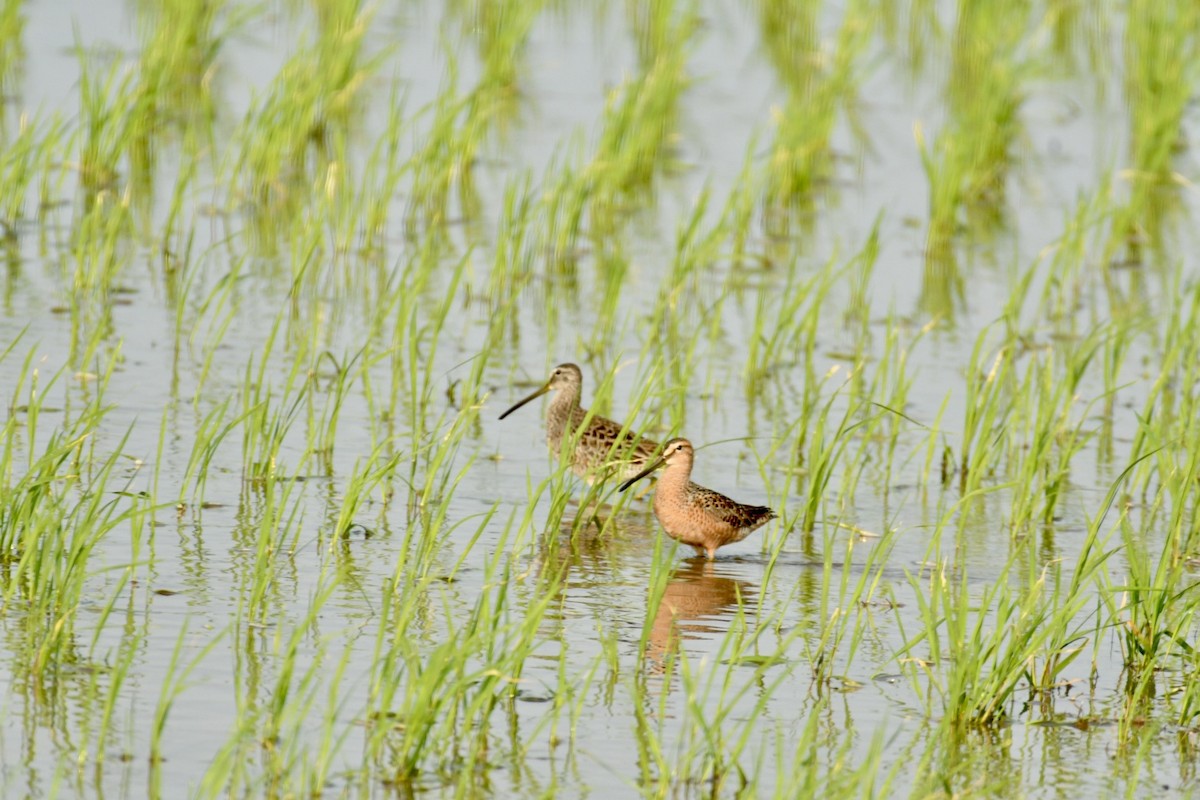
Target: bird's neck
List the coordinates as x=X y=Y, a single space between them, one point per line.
x=675 y=478
x=563 y=410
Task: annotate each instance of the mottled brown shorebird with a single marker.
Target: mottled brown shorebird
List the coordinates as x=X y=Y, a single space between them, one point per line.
x=600 y=446
x=696 y=516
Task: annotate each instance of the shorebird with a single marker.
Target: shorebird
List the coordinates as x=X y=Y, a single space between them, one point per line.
x=598 y=447
x=693 y=515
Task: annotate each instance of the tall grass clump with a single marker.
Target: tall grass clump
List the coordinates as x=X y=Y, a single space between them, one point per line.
x=820 y=81
x=55 y=511
x=181 y=45
x=501 y=31
x=288 y=683
x=177 y=75
x=108 y=126
x=1162 y=65
x=27 y=158
x=845 y=612
x=12 y=45
x=1153 y=604
x=636 y=140
x=438 y=679
x=968 y=164
x=981 y=644
x=461 y=123
x=104 y=223
x=1045 y=432
x=445 y=160
x=304 y=120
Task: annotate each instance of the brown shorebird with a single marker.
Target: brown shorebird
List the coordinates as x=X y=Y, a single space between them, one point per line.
x=600 y=446
x=696 y=516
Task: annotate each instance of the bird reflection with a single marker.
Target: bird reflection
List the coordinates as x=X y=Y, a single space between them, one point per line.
x=699 y=599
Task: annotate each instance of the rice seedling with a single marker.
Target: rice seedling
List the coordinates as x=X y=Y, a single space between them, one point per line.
x=1078 y=35
x=820 y=82
x=502 y=30
x=985 y=657
x=107 y=726
x=820 y=461
x=845 y=607
x=12 y=27
x=26 y=157
x=346 y=219
x=634 y=142
x=307 y=112
x=800 y=771
x=430 y=708
x=641 y=116
x=1047 y=440
x=713 y=742
x=1186 y=708
x=994 y=644
x=180 y=54
x=445 y=162
x=279 y=694
x=985 y=86
x=56 y=514
x=986 y=413
x=175 y=683
x=105 y=104
x=266 y=422
x=1161 y=49
x=889 y=391
x=1153 y=607
x=797 y=307
x=968 y=164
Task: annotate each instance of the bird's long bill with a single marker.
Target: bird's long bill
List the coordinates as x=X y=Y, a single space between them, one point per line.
x=658 y=462
x=531 y=397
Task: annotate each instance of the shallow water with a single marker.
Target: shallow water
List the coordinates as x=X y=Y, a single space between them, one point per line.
x=269 y=673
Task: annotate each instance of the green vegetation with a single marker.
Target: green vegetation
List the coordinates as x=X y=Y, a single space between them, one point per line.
x=919 y=276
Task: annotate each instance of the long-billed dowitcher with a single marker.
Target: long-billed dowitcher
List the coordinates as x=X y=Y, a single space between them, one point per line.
x=696 y=516
x=600 y=446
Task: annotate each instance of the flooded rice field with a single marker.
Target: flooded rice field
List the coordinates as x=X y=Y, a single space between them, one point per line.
x=919 y=277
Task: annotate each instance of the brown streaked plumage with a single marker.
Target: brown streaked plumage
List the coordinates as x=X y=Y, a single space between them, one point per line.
x=601 y=445
x=695 y=516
